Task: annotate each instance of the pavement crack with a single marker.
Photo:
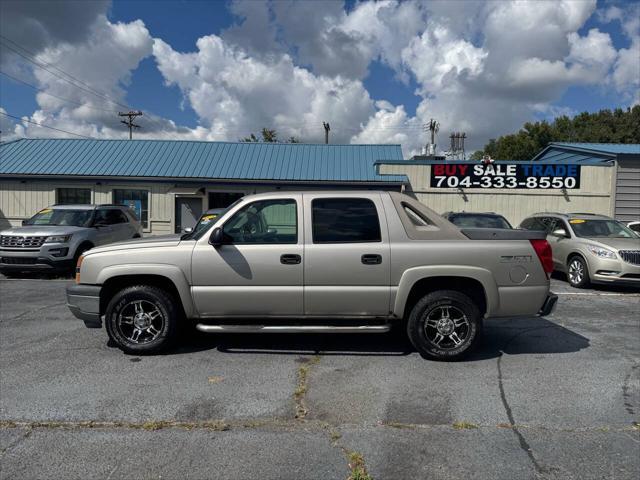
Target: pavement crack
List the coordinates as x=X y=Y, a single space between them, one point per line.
x=626 y=390
x=355 y=460
x=17 y=442
x=524 y=445
x=300 y=393
x=35 y=310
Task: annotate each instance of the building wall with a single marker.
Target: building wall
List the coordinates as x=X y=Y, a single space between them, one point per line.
x=594 y=194
x=19 y=200
x=627 y=199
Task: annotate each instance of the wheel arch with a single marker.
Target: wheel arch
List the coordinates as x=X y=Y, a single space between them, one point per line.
x=171 y=280
x=477 y=283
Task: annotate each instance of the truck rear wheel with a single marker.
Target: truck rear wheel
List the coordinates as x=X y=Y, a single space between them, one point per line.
x=142 y=319
x=444 y=325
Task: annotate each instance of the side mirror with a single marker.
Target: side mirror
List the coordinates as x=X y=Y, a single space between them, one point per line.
x=24 y=222
x=560 y=232
x=188 y=230
x=217 y=237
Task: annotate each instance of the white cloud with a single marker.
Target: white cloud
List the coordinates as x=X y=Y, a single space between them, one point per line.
x=235 y=94
x=626 y=72
x=36 y=24
x=391 y=124
x=437 y=59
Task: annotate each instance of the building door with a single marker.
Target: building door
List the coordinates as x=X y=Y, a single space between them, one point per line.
x=188 y=211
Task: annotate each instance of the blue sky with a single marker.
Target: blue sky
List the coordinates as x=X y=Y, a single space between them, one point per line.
x=387 y=77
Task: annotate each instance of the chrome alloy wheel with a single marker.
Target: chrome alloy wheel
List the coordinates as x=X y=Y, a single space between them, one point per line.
x=576 y=271
x=140 y=321
x=447 y=327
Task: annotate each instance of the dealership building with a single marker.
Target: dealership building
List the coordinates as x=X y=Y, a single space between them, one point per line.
x=170 y=183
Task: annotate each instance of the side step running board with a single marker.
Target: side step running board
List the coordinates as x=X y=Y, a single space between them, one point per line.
x=292 y=328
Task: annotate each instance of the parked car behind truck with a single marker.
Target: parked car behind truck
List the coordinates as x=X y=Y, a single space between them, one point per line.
x=317 y=262
x=590 y=248
x=55 y=237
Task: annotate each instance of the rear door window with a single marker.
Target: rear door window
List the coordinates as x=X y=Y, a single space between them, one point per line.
x=345 y=220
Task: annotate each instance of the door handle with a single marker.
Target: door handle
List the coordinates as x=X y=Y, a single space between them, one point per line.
x=290 y=259
x=371 y=259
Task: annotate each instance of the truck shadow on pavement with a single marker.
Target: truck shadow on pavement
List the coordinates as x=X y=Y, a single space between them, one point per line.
x=530 y=335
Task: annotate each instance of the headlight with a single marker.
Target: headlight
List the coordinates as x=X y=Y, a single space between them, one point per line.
x=58 y=239
x=601 y=252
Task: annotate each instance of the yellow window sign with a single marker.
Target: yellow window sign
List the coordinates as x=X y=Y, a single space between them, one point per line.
x=577 y=220
x=46 y=210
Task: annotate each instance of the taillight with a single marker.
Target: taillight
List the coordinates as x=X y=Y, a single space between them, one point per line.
x=543 y=250
x=78 y=265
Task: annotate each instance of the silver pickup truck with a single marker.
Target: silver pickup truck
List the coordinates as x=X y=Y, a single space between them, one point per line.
x=333 y=261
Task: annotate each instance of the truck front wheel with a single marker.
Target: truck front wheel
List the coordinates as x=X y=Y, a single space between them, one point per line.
x=444 y=325
x=142 y=319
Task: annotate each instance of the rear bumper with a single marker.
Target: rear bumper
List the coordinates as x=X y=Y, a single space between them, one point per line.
x=84 y=303
x=549 y=305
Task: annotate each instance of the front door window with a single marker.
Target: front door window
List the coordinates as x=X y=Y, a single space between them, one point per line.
x=263 y=222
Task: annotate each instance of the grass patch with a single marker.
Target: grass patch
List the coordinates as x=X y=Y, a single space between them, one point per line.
x=301 y=387
x=464 y=425
x=358 y=467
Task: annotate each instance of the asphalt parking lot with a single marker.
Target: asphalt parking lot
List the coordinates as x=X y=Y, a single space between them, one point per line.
x=541 y=398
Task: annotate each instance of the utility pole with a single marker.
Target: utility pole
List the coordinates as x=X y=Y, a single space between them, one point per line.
x=326 y=131
x=129 y=123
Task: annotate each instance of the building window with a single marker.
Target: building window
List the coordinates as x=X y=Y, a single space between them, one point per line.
x=73 y=196
x=223 y=199
x=344 y=220
x=136 y=200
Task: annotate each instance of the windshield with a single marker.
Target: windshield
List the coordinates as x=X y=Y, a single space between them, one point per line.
x=205 y=221
x=53 y=216
x=600 y=228
x=479 y=221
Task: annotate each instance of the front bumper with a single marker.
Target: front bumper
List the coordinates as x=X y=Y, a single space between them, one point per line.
x=613 y=271
x=84 y=303
x=48 y=258
x=549 y=305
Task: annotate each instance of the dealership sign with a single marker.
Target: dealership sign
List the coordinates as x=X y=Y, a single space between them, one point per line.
x=502 y=175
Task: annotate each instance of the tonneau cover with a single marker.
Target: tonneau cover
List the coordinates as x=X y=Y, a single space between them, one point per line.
x=503 y=234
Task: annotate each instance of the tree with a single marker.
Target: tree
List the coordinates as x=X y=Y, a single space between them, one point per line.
x=268 y=136
x=605 y=126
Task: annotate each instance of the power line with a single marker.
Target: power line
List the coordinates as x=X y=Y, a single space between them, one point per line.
x=45 y=126
x=30 y=57
x=41 y=90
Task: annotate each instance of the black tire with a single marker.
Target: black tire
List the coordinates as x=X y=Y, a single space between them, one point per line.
x=423 y=334
x=577 y=272
x=121 y=332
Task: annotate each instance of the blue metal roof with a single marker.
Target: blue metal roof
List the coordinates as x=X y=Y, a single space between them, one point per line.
x=615 y=148
x=587 y=153
x=197 y=160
